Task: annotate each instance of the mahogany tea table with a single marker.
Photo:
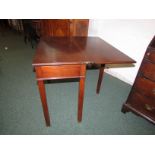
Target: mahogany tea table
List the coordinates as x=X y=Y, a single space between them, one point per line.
x=67 y=57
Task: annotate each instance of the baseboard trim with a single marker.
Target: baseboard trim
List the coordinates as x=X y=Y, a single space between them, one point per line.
x=118 y=76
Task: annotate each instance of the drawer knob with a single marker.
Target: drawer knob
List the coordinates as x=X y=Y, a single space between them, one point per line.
x=148 y=54
x=148 y=107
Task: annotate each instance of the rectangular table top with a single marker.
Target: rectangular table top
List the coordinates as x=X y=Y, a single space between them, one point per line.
x=77 y=50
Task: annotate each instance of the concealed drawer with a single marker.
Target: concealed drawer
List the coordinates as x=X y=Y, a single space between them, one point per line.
x=142 y=104
x=145 y=87
x=150 y=55
x=148 y=70
x=58 y=72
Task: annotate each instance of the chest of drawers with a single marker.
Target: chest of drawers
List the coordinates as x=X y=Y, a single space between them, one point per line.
x=141 y=99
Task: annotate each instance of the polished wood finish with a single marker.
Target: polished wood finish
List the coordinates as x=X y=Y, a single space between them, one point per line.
x=77 y=50
x=145 y=86
x=79 y=27
x=66 y=57
x=141 y=105
x=150 y=55
x=60 y=72
x=148 y=70
x=44 y=101
x=57 y=72
x=101 y=72
x=64 y=27
x=60 y=28
x=141 y=99
x=81 y=92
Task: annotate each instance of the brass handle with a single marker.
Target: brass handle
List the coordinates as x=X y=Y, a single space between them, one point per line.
x=148 y=107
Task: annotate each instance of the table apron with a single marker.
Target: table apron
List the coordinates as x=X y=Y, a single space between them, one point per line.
x=60 y=72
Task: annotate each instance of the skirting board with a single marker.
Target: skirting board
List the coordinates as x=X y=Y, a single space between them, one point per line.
x=118 y=76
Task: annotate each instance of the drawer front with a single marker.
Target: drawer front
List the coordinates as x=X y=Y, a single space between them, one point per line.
x=59 y=72
x=148 y=70
x=142 y=104
x=150 y=55
x=145 y=87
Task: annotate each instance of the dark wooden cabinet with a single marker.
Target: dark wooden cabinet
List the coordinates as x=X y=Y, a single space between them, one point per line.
x=141 y=99
x=64 y=27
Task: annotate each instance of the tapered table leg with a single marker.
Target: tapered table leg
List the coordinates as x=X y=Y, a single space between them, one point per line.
x=44 y=101
x=81 y=92
x=101 y=72
x=80 y=99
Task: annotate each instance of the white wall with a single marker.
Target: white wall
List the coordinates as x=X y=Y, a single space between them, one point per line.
x=129 y=36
